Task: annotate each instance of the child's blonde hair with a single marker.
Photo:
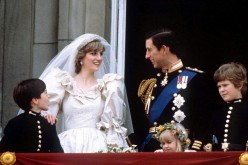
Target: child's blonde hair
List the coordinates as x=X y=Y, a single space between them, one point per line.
x=167 y=134
x=178 y=131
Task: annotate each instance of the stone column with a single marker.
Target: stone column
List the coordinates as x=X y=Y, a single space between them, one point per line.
x=2 y=4
x=17 y=41
x=77 y=17
x=45 y=34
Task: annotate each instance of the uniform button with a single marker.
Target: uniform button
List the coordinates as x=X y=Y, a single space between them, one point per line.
x=225 y=135
x=228 y=116
x=225 y=140
x=226 y=130
x=153 y=97
x=39 y=126
x=38 y=149
x=229 y=112
x=227 y=121
x=158 y=74
x=155 y=85
x=38 y=122
x=40 y=136
x=39 y=131
x=226 y=125
x=175 y=94
x=231 y=108
x=39 y=146
x=39 y=141
x=173 y=108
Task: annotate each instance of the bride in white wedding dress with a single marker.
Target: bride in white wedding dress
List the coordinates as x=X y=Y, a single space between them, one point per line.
x=92 y=101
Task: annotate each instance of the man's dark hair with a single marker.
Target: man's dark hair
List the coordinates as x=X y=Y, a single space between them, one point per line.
x=26 y=90
x=165 y=37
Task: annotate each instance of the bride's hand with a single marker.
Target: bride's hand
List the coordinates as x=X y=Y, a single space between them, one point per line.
x=50 y=118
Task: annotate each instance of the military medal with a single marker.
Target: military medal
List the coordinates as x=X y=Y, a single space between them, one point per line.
x=184 y=81
x=165 y=80
x=179 y=82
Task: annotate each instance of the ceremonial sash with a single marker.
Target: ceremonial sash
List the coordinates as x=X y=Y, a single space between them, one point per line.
x=166 y=95
x=163 y=99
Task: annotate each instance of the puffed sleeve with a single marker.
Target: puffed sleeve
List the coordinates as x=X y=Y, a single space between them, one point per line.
x=114 y=114
x=57 y=82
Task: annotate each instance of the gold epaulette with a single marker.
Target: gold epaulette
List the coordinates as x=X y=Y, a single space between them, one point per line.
x=195 y=69
x=197 y=145
x=145 y=89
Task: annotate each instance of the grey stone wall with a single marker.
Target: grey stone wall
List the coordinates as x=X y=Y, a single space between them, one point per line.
x=45 y=34
x=33 y=31
x=16 y=42
x=1 y=58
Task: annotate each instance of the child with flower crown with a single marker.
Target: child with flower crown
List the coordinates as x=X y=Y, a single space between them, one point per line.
x=172 y=137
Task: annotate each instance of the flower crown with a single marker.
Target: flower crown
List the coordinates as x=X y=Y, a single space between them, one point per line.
x=181 y=134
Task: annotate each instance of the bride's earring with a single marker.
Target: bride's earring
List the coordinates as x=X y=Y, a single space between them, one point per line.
x=81 y=62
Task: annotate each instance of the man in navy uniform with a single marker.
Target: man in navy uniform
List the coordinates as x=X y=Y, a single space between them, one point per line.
x=175 y=93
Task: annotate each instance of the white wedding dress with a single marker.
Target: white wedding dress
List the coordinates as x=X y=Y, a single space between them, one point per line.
x=91 y=119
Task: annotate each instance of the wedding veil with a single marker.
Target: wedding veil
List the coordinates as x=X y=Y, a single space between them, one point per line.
x=66 y=58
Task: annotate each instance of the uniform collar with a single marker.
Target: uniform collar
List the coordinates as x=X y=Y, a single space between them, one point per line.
x=175 y=66
x=235 y=101
x=34 y=113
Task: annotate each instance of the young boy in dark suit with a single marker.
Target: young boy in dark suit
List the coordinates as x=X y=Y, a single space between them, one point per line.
x=30 y=132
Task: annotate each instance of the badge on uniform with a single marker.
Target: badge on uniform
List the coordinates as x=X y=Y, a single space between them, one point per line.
x=182 y=82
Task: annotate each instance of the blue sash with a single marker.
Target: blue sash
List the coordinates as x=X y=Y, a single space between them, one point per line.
x=163 y=99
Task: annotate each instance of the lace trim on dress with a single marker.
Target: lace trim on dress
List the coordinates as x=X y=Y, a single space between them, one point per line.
x=111 y=77
x=68 y=84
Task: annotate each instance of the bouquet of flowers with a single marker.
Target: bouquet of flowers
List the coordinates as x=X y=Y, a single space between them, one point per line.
x=114 y=148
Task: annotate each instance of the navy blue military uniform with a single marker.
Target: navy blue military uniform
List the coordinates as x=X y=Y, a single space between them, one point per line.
x=196 y=108
x=30 y=133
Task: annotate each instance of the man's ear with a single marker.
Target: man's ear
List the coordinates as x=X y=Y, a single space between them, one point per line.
x=165 y=49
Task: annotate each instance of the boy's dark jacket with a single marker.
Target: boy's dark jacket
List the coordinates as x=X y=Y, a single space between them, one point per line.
x=30 y=133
